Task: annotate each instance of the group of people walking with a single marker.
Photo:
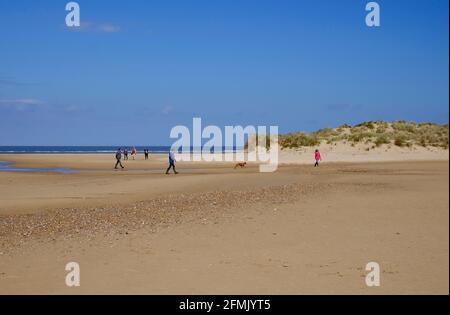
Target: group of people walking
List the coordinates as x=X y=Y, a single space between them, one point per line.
x=172 y=159
x=124 y=152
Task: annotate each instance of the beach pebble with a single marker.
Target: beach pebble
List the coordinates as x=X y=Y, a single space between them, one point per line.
x=151 y=214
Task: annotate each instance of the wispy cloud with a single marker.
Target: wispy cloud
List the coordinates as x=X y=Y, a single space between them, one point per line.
x=94 y=27
x=20 y=103
x=167 y=110
x=339 y=107
x=71 y=109
x=108 y=28
x=9 y=81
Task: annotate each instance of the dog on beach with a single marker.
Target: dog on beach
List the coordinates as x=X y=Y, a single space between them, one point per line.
x=241 y=165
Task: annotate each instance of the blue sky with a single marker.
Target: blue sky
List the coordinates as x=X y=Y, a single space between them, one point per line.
x=138 y=68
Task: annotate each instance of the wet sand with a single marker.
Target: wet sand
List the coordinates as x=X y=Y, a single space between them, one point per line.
x=212 y=229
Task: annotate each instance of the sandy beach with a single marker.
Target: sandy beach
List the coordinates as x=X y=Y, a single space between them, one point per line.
x=215 y=230
x=307 y=144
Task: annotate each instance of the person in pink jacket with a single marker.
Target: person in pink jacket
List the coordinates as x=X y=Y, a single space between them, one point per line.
x=317 y=157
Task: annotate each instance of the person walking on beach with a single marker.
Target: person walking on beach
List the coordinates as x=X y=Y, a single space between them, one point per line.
x=172 y=161
x=133 y=152
x=125 y=154
x=118 y=158
x=317 y=157
x=146 y=154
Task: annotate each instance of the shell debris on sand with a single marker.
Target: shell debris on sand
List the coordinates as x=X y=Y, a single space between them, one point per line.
x=17 y=230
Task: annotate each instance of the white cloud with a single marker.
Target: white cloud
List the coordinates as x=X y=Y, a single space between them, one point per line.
x=71 y=109
x=20 y=103
x=167 y=110
x=108 y=28
x=8 y=81
x=87 y=26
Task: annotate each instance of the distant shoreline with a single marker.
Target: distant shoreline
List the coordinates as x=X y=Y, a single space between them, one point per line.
x=76 y=149
x=88 y=149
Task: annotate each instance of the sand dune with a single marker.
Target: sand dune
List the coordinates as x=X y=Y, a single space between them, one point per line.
x=361 y=152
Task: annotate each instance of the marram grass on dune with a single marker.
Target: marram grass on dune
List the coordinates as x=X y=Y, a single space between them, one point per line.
x=376 y=133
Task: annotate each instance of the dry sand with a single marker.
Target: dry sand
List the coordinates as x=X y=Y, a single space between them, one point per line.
x=215 y=230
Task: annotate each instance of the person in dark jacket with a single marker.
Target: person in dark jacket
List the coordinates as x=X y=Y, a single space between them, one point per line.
x=171 y=163
x=118 y=158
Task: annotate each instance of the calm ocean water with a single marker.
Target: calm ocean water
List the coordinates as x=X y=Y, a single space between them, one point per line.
x=76 y=149
x=88 y=149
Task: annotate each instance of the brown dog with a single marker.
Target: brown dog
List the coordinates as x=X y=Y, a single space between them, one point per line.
x=241 y=165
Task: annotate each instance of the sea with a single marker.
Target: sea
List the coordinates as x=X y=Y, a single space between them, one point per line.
x=77 y=149
x=92 y=149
